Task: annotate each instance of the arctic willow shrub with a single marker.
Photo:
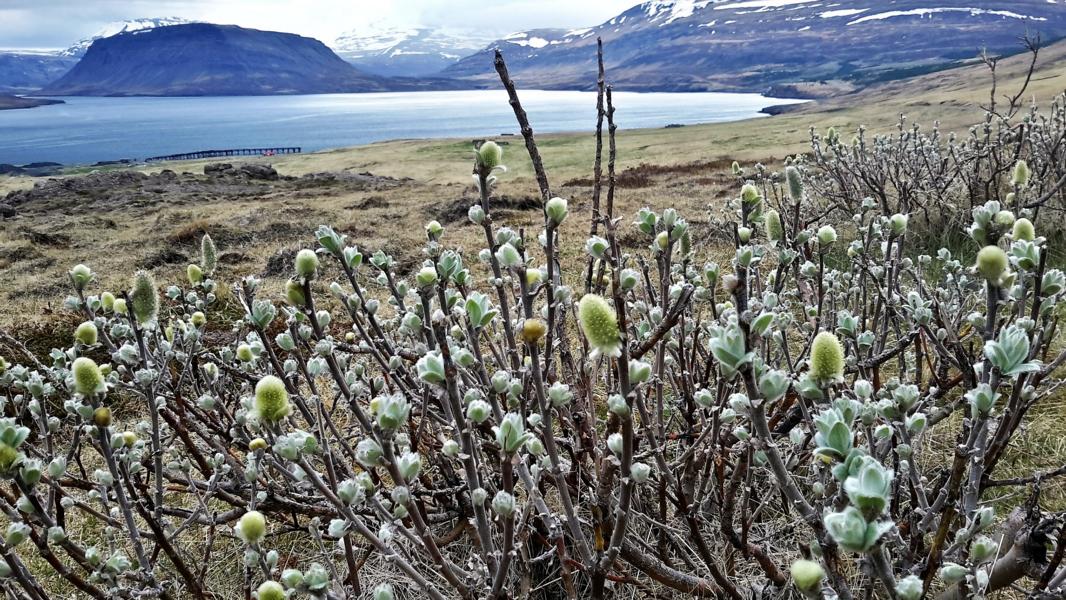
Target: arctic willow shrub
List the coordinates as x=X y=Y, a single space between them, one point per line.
x=489 y=425
x=1015 y=157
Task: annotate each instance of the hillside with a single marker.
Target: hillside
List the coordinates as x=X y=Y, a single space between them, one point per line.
x=754 y=45
x=201 y=59
x=22 y=72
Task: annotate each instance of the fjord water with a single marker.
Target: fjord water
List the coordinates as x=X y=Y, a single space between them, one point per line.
x=87 y=130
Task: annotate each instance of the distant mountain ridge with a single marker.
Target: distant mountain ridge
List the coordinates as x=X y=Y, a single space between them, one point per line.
x=410 y=52
x=806 y=48
x=22 y=72
x=755 y=45
x=201 y=59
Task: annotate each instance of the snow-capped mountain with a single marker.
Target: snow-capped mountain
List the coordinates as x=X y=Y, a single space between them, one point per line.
x=408 y=52
x=204 y=59
x=753 y=45
x=78 y=49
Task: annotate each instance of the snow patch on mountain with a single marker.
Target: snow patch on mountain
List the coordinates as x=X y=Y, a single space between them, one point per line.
x=844 y=12
x=924 y=12
x=413 y=51
x=761 y=4
x=78 y=48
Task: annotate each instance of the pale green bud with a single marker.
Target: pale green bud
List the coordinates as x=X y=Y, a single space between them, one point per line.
x=144 y=297
x=639 y=371
x=909 y=588
x=795 y=183
x=251 y=527
x=270 y=590
x=306 y=263
x=807 y=575
x=81 y=275
x=194 y=274
x=827 y=359
x=368 y=453
x=434 y=230
x=1020 y=177
x=272 y=399
x=952 y=572
x=897 y=224
x=426 y=277
x=639 y=472
x=88 y=379
x=1023 y=230
x=775 y=232
x=556 y=209
x=478 y=411
x=208 y=254
x=489 y=155
x=383 y=592
x=86 y=333
x=826 y=235
x=508 y=256
x=749 y=193
x=503 y=504
x=600 y=325
x=991 y=263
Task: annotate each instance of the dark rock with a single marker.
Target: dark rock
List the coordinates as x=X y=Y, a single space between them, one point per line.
x=265 y=172
x=216 y=168
x=7 y=211
x=164 y=256
x=780 y=109
x=44 y=238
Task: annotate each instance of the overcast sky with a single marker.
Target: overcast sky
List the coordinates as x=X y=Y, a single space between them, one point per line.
x=58 y=23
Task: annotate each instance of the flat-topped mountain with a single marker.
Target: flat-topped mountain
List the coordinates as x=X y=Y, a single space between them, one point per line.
x=752 y=45
x=202 y=59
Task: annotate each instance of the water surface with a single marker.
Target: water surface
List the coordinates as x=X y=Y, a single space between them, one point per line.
x=87 y=130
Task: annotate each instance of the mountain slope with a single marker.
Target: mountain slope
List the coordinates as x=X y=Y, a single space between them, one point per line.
x=751 y=45
x=411 y=52
x=201 y=59
x=28 y=71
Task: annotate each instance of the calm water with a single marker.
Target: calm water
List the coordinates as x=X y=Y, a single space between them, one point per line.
x=87 y=130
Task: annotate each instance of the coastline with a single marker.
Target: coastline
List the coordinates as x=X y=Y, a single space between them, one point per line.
x=11 y=102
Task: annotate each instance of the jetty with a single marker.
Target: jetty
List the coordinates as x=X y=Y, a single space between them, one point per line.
x=228 y=152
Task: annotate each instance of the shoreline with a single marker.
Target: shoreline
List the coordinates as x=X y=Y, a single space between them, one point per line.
x=13 y=102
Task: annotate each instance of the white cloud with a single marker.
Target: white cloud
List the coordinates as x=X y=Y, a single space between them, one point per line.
x=57 y=23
